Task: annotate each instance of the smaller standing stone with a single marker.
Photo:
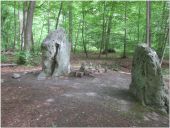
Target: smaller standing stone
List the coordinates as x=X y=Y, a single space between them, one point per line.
x=147 y=81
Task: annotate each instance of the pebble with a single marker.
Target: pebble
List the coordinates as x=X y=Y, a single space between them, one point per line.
x=16 y=75
x=2 y=80
x=50 y=100
x=146 y=118
x=24 y=73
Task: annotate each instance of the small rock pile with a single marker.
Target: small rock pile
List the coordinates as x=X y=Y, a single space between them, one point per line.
x=88 y=69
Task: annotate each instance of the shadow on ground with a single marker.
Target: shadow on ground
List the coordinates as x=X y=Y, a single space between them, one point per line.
x=103 y=100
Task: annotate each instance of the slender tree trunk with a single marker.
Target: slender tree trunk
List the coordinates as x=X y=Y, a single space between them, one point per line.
x=103 y=32
x=48 y=16
x=23 y=34
x=6 y=44
x=28 y=30
x=163 y=50
x=139 y=8
x=58 y=17
x=109 y=30
x=148 y=24
x=14 y=24
x=70 y=25
x=125 y=42
x=19 y=24
x=77 y=35
x=32 y=40
x=41 y=31
x=162 y=33
x=84 y=44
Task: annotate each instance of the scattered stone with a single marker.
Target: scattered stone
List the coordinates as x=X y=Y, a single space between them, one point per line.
x=72 y=74
x=147 y=82
x=24 y=73
x=55 y=55
x=16 y=76
x=2 y=81
x=79 y=74
x=153 y=116
x=146 y=118
x=91 y=94
x=86 y=73
x=50 y=100
x=88 y=69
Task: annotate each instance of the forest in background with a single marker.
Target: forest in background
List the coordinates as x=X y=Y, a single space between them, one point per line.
x=91 y=26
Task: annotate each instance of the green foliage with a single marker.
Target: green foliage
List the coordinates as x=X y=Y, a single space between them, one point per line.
x=27 y=58
x=23 y=57
x=48 y=11
x=4 y=58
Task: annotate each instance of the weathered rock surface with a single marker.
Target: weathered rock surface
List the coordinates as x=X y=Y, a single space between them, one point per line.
x=16 y=75
x=147 y=82
x=55 y=55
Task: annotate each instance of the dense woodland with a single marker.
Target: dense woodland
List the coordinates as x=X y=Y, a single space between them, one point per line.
x=92 y=26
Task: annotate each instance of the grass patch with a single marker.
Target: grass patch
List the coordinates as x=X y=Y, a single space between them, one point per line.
x=165 y=71
x=137 y=111
x=4 y=58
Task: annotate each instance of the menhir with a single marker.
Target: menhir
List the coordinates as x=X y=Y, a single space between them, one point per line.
x=147 y=82
x=55 y=55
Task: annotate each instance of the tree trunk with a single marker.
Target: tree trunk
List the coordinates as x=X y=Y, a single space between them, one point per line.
x=103 y=32
x=32 y=40
x=77 y=37
x=84 y=44
x=163 y=50
x=125 y=42
x=162 y=32
x=70 y=24
x=19 y=25
x=14 y=25
x=139 y=8
x=148 y=24
x=109 y=30
x=58 y=17
x=48 y=16
x=41 y=30
x=23 y=34
x=28 y=29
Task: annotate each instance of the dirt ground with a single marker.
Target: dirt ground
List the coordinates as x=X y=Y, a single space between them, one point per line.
x=100 y=101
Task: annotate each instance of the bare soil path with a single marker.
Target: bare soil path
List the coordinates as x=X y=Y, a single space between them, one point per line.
x=102 y=100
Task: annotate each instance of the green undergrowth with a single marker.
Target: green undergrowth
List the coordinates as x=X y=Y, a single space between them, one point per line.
x=165 y=71
x=27 y=58
x=137 y=111
x=4 y=58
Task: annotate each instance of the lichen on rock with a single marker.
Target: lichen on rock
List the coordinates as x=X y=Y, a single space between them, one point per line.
x=55 y=55
x=147 y=81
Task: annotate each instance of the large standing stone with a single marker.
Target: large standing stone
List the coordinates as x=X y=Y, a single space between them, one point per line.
x=147 y=81
x=55 y=55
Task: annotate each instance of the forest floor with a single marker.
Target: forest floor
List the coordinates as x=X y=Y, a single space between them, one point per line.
x=101 y=100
